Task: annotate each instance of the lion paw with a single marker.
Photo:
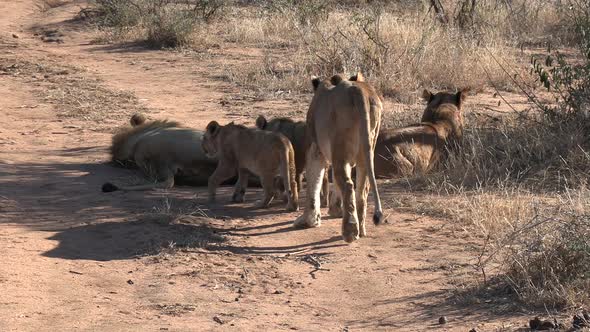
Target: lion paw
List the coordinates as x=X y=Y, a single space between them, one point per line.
x=308 y=220
x=378 y=218
x=335 y=206
x=109 y=187
x=262 y=204
x=335 y=211
x=292 y=207
x=237 y=198
x=350 y=229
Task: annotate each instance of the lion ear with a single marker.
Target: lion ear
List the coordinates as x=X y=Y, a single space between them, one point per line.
x=137 y=119
x=213 y=128
x=315 y=81
x=427 y=95
x=357 y=77
x=261 y=122
x=336 y=79
x=461 y=96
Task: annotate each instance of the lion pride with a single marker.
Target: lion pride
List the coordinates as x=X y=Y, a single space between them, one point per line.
x=343 y=122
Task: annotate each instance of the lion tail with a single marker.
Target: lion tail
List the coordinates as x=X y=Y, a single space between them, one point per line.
x=288 y=173
x=108 y=187
x=363 y=106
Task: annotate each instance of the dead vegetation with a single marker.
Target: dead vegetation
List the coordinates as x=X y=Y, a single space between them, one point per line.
x=71 y=90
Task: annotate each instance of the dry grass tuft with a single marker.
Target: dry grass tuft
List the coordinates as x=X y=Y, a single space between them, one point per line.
x=187 y=229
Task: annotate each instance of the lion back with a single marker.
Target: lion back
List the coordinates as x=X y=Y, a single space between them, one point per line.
x=124 y=142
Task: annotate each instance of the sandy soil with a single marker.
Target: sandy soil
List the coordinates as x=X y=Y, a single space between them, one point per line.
x=74 y=258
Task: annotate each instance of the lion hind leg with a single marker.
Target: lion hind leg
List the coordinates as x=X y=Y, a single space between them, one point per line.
x=314 y=170
x=325 y=194
x=334 y=200
x=221 y=173
x=288 y=173
x=269 y=191
x=362 y=192
x=350 y=223
x=241 y=185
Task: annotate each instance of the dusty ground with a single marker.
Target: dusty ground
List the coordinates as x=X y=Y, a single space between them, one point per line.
x=74 y=258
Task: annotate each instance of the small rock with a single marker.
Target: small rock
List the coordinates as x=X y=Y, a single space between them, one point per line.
x=14 y=35
x=473 y=330
x=52 y=40
x=218 y=320
x=130 y=282
x=442 y=320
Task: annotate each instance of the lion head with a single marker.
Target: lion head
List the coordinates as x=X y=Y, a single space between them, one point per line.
x=137 y=119
x=444 y=106
x=210 y=143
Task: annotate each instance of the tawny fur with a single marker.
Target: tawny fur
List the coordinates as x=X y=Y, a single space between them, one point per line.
x=295 y=132
x=264 y=153
x=418 y=148
x=137 y=119
x=161 y=150
x=343 y=122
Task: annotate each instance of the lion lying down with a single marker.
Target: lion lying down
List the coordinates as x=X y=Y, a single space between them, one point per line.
x=165 y=152
x=416 y=149
x=264 y=153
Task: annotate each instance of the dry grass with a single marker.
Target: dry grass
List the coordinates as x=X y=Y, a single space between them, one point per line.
x=537 y=245
x=401 y=54
x=523 y=193
x=186 y=228
x=72 y=92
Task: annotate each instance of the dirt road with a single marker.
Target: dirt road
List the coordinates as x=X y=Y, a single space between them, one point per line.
x=73 y=258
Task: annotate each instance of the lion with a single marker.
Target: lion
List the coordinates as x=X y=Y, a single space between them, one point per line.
x=264 y=153
x=161 y=150
x=295 y=132
x=416 y=149
x=343 y=121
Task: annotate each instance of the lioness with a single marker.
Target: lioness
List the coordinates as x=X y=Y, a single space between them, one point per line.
x=266 y=154
x=161 y=150
x=343 y=121
x=295 y=132
x=418 y=148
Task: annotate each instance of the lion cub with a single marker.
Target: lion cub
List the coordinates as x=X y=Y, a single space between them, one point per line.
x=266 y=154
